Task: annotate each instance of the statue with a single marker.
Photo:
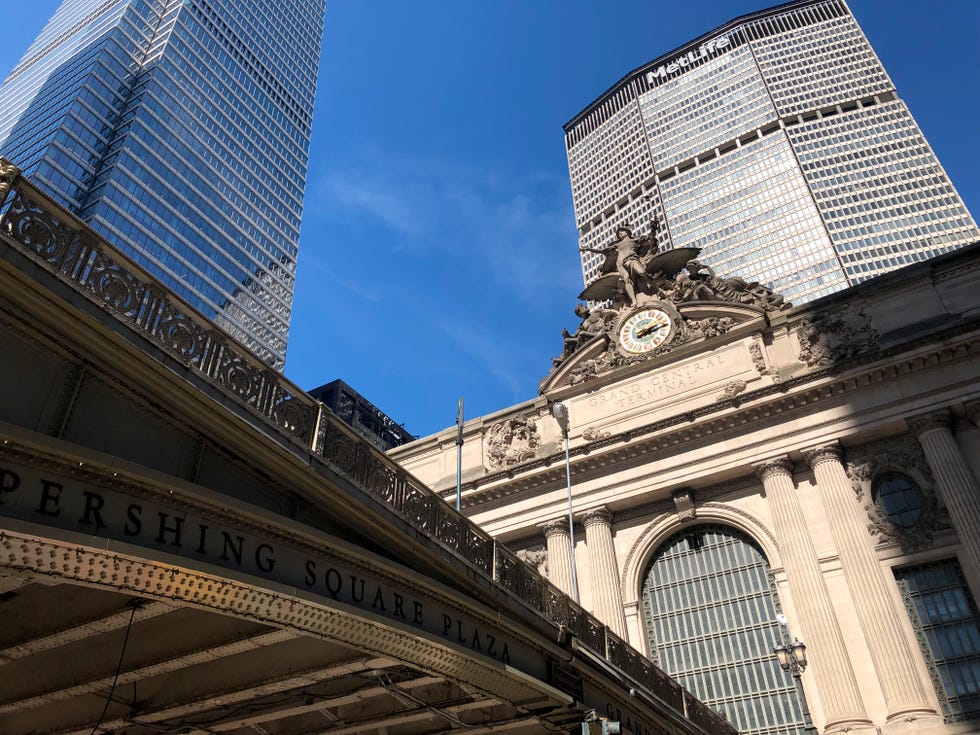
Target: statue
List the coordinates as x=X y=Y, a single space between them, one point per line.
x=594 y=324
x=703 y=284
x=629 y=258
x=8 y=173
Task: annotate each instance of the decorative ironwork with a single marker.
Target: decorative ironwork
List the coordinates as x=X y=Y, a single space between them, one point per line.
x=92 y=266
x=588 y=629
x=947 y=625
x=725 y=567
x=518 y=578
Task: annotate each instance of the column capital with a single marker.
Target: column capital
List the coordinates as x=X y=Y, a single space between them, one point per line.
x=556 y=526
x=973 y=412
x=919 y=425
x=773 y=467
x=601 y=516
x=831 y=452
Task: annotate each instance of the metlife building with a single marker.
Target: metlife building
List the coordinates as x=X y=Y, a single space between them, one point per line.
x=179 y=130
x=776 y=143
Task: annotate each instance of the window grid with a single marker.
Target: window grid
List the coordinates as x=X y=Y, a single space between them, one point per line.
x=613 y=159
x=945 y=619
x=806 y=74
x=885 y=198
x=819 y=65
x=710 y=611
x=168 y=124
x=751 y=213
x=706 y=107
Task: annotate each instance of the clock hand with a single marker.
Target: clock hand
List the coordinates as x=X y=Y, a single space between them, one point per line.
x=648 y=330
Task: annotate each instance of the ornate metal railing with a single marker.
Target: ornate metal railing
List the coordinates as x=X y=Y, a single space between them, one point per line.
x=54 y=238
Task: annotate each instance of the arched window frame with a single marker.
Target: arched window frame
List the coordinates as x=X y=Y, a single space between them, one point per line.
x=752 y=664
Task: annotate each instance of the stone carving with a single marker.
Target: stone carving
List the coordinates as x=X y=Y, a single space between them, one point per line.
x=902 y=455
x=702 y=284
x=8 y=173
x=595 y=323
x=830 y=338
x=773 y=467
x=536 y=558
x=691 y=330
x=592 y=434
x=597 y=516
x=732 y=389
x=973 y=412
x=512 y=441
x=684 y=504
x=759 y=361
x=636 y=274
x=919 y=425
x=710 y=327
x=603 y=363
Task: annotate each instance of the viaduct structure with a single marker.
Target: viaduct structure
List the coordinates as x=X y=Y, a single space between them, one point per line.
x=191 y=544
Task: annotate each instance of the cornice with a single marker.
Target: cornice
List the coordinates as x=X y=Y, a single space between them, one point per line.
x=718 y=420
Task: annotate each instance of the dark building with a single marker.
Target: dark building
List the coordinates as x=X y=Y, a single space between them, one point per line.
x=357 y=411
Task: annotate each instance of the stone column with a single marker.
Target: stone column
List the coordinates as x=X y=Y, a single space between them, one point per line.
x=607 y=601
x=955 y=484
x=881 y=622
x=559 y=554
x=827 y=655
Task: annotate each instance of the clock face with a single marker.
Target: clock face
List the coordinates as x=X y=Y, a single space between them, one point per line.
x=645 y=330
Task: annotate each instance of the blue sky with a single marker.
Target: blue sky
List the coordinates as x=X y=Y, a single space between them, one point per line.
x=438 y=251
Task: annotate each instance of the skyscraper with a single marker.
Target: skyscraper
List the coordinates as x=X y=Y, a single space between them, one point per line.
x=179 y=130
x=778 y=144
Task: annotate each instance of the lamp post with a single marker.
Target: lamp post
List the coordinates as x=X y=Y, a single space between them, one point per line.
x=560 y=412
x=793 y=660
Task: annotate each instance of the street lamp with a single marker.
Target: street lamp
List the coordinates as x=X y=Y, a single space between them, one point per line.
x=793 y=660
x=560 y=412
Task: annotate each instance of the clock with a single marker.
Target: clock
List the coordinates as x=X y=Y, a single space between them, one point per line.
x=644 y=330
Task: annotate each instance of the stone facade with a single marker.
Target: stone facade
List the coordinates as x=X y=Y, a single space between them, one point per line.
x=787 y=426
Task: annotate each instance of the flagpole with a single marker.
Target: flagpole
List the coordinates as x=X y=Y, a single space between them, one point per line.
x=459 y=455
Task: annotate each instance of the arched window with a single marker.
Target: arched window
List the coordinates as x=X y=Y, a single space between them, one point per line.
x=710 y=613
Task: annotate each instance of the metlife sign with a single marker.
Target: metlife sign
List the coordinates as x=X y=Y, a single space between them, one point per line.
x=682 y=63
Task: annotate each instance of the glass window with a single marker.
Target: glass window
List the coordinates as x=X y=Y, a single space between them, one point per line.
x=945 y=619
x=709 y=608
x=898 y=499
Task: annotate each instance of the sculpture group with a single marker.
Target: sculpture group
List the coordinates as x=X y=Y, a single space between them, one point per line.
x=635 y=273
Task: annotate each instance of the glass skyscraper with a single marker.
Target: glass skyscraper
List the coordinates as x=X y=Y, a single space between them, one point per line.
x=179 y=130
x=776 y=143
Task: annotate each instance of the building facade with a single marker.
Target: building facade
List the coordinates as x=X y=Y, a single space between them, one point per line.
x=179 y=131
x=742 y=473
x=778 y=144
